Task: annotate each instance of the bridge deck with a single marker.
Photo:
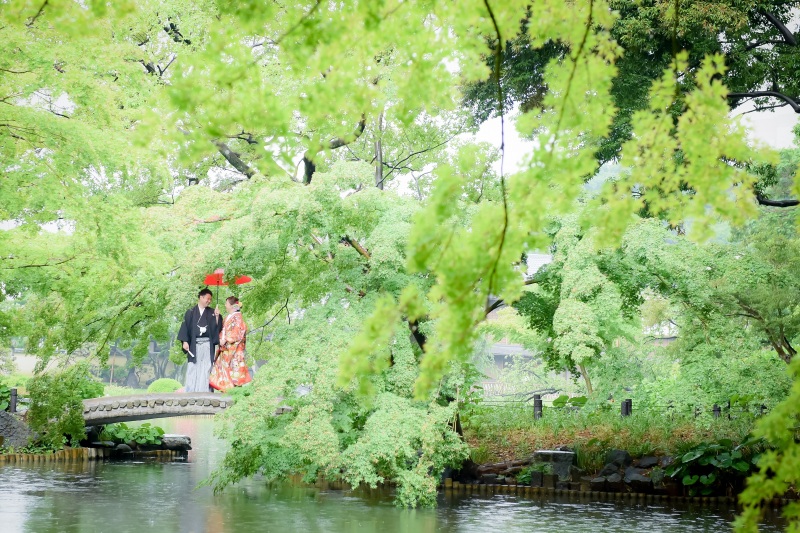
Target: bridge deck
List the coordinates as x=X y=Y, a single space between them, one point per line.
x=112 y=409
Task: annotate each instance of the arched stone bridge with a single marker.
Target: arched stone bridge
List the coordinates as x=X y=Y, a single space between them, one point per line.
x=113 y=409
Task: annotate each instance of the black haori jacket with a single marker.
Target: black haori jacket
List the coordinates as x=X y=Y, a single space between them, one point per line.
x=188 y=332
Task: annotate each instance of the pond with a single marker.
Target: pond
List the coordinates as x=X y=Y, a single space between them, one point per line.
x=123 y=497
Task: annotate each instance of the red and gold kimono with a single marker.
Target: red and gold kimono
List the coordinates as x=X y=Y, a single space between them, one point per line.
x=230 y=369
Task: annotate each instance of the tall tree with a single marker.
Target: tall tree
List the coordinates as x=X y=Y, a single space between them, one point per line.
x=754 y=40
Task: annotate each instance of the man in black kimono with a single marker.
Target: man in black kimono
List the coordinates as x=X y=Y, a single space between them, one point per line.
x=200 y=336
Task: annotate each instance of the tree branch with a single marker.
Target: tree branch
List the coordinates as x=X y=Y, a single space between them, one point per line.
x=776 y=203
x=785 y=32
x=308 y=157
x=354 y=243
x=761 y=43
x=299 y=22
x=32 y=20
x=234 y=159
x=161 y=71
x=774 y=94
x=211 y=220
x=38 y=265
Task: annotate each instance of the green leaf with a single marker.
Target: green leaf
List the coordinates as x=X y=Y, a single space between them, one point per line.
x=561 y=401
x=691 y=456
x=579 y=401
x=708 y=479
x=690 y=480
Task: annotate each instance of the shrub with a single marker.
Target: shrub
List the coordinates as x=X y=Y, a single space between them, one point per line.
x=143 y=435
x=5 y=396
x=164 y=385
x=56 y=409
x=708 y=467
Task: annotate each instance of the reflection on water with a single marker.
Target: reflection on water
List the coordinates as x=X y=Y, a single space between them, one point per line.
x=133 y=497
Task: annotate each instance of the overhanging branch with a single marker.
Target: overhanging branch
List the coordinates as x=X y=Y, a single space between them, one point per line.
x=767 y=94
x=234 y=159
x=788 y=37
x=333 y=144
x=777 y=203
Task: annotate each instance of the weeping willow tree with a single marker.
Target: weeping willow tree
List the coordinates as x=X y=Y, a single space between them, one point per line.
x=274 y=140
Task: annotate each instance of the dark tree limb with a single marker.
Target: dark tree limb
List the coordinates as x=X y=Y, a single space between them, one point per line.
x=755 y=45
x=234 y=159
x=416 y=335
x=333 y=144
x=773 y=94
x=161 y=71
x=788 y=36
x=777 y=203
x=32 y=20
x=491 y=304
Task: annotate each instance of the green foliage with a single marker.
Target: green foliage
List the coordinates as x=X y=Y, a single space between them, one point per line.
x=512 y=431
x=230 y=97
x=480 y=454
x=524 y=476
x=709 y=467
x=144 y=434
x=33 y=447
x=333 y=431
x=778 y=469
x=650 y=32
x=164 y=385
x=56 y=408
x=564 y=401
x=5 y=396
x=590 y=455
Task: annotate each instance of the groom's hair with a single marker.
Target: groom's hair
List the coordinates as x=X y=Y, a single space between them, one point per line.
x=203 y=292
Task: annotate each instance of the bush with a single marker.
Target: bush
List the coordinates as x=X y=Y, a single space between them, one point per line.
x=142 y=435
x=164 y=385
x=5 y=396
x=56 y=409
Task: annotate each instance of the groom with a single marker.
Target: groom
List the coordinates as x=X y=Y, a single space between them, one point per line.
x=200 y=336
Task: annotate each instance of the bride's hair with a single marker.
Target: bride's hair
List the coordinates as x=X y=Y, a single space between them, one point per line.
x=234 y=301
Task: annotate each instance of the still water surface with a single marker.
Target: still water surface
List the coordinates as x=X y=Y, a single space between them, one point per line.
x=121 y=497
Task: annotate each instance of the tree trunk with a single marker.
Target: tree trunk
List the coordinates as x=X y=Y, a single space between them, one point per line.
x=379 y=155
x=585 y=374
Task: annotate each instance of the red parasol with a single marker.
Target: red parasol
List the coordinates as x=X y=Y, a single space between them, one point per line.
x=217 y=278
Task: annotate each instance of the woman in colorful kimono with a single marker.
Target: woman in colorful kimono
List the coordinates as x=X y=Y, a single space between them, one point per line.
x=230 y=369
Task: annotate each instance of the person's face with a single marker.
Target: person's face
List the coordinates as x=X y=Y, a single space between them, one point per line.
x=228 y=306
x=205 y=300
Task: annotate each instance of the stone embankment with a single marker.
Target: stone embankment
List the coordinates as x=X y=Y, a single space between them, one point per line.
x=75 y=455
x=172 y=447
x=556 y=469
x=553 y=472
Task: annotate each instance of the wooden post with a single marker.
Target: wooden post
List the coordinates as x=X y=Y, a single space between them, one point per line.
x=537 y=406
x=717 y=411
x=12 y=406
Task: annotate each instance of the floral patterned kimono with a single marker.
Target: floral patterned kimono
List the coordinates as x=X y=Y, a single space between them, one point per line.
x=230 y=369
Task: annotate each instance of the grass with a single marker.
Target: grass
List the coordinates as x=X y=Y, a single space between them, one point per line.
x=511 y=432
